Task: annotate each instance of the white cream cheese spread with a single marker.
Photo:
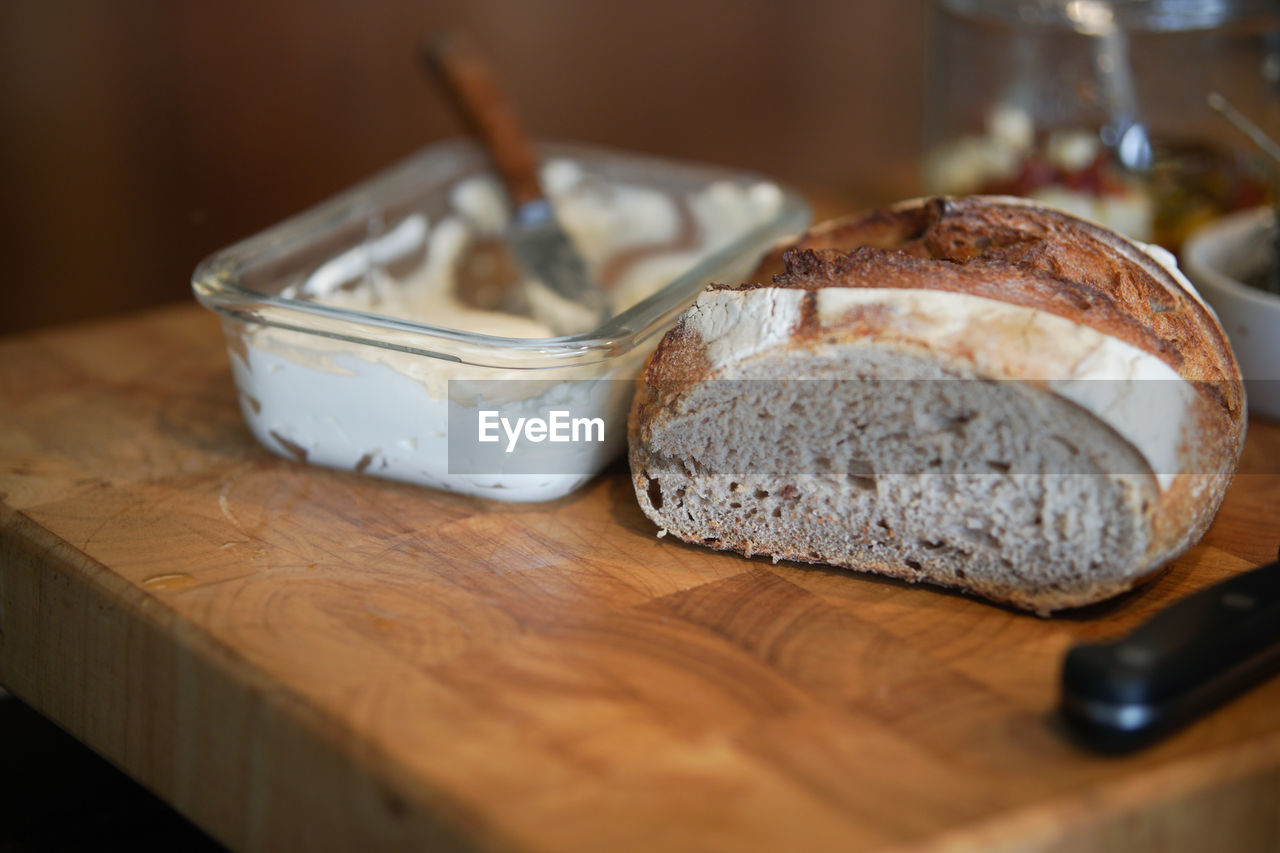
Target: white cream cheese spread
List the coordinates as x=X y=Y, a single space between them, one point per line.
x=385 y=412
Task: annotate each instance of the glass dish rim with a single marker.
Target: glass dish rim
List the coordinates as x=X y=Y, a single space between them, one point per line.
x=215 y=280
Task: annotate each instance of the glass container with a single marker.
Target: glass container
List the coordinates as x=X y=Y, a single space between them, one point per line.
x=1101 y=108
x=351 y=347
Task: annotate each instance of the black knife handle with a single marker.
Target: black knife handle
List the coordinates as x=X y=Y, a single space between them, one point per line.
x=1187 y=659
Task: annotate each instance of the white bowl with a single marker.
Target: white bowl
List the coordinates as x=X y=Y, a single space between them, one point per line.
x=1218 y=258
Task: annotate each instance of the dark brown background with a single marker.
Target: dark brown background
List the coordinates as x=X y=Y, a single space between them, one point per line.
x=141 y=136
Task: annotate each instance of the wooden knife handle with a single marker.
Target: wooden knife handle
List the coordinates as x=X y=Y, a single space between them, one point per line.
x=473 y=89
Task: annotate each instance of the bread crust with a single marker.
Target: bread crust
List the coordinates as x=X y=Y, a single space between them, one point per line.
x=1020 y=254
x=1024 y=254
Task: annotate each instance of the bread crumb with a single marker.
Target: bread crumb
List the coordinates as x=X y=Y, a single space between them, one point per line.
x=662 y=532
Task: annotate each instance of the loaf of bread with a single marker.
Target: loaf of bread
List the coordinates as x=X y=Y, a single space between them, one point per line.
x=979 y=393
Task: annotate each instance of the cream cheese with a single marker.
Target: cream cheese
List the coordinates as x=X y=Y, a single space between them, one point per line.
x=605 y=222
x=385 y=412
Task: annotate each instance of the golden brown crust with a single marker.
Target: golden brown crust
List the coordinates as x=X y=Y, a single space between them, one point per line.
x=677 y=362
x=1024 y=255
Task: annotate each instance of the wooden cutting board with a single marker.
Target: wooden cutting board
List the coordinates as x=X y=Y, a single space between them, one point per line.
x=299 y=658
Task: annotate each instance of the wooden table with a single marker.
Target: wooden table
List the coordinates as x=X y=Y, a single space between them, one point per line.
x=300 y=658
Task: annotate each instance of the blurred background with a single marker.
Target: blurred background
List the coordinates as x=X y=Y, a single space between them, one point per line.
x=142 y=135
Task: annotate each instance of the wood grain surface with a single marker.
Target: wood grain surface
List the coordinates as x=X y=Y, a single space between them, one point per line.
x=301 y=658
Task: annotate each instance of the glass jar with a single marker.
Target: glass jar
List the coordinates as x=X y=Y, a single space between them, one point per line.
x=1102 y=108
